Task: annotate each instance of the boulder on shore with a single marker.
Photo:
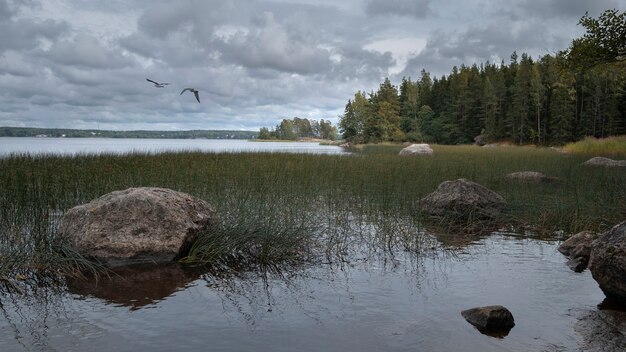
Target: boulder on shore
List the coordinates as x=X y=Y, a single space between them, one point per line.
x=607 y=262
x=463 y=199
x=578 y=249
x=137 y=225
x=601 y=161
x=490 y=320
x=417 y=149
x=480 y=140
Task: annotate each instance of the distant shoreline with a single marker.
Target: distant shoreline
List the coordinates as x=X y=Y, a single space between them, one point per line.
x=96 y=133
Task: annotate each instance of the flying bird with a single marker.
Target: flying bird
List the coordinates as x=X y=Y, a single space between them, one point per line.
x=194 y=91
x=157 y=84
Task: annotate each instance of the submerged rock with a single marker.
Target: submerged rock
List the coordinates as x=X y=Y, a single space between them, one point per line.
x=137 y=225
x=463 y=199
x=417 y=149
x=602 y=330
x=607 y=262
x=601 y=161
x=531 y=176
x=578 y=249
x=490 y=320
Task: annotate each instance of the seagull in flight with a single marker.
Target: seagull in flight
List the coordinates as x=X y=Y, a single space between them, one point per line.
x=157 y=84
x=194 y=91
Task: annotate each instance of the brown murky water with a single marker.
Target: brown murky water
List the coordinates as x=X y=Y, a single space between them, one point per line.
x=371 y=304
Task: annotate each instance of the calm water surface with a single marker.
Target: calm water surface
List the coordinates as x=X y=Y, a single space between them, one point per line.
x=411 y=303
x=33 y=145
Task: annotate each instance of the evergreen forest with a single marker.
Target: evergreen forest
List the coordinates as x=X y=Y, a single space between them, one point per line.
x=550 y=100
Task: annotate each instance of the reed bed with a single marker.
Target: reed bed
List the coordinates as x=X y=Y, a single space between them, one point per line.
x=611 y=146
x=291 y=208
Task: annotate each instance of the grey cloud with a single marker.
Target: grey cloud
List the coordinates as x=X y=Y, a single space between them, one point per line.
x=8 y=8
x=178 y=36
x=16 y=64
x=178 y=50
x=6 y=11
x=566 y=9
x=26 y=34
x=481 y=44
x=272 y=46
x=86 y=51
x=254 y=61
x=361 y=65
x=198 y=17
x=413 y=8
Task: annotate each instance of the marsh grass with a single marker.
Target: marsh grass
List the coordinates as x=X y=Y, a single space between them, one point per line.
x=590 y=146
x=294 y=208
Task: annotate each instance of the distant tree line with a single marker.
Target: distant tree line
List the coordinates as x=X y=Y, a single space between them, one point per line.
x=73 y=133
x=297 y=128
x=552 y=100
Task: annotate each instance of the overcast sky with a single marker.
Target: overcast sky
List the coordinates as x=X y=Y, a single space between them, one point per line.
x=84 y=63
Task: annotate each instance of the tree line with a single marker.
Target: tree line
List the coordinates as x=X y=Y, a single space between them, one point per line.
x=76 y=133
x=552 y=100
x=297 y=128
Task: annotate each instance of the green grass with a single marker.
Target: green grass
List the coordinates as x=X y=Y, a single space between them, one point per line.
x=610 y=146
x=292 y=208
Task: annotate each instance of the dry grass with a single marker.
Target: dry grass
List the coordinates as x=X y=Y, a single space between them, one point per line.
x=590 y=146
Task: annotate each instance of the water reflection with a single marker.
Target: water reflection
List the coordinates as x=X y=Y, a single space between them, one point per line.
x=135 y=286
x=403 y=302
x=72 y=146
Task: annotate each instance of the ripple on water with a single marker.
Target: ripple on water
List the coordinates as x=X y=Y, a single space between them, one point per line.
x=407 y=304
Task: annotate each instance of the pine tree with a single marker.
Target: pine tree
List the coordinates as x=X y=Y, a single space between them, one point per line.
x=425 y=85
x=490 y=108
x=537 y=93
x=521 y=99
x=409 y=99
x=384 y=125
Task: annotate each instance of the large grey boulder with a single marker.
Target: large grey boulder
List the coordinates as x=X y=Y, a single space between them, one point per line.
x=417 y=149
x=607 y=262
x=601 y=161
x=578 y=249
x=463 y=199
x=491 y=320
x=153 y=225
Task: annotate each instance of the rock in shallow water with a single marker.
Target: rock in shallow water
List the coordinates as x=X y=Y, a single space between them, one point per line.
x=137 y=225
x=601 y=161
x=531 y=176
x=417 y=149
x=463 y=199
x=607 y=262
x=490 y=320
x=578 y=249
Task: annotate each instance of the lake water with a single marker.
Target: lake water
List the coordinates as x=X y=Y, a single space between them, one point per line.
x=70 y=146
x=374 y=302
x=410 y=303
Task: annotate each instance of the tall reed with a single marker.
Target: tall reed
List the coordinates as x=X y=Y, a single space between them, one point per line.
x=295 y=207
